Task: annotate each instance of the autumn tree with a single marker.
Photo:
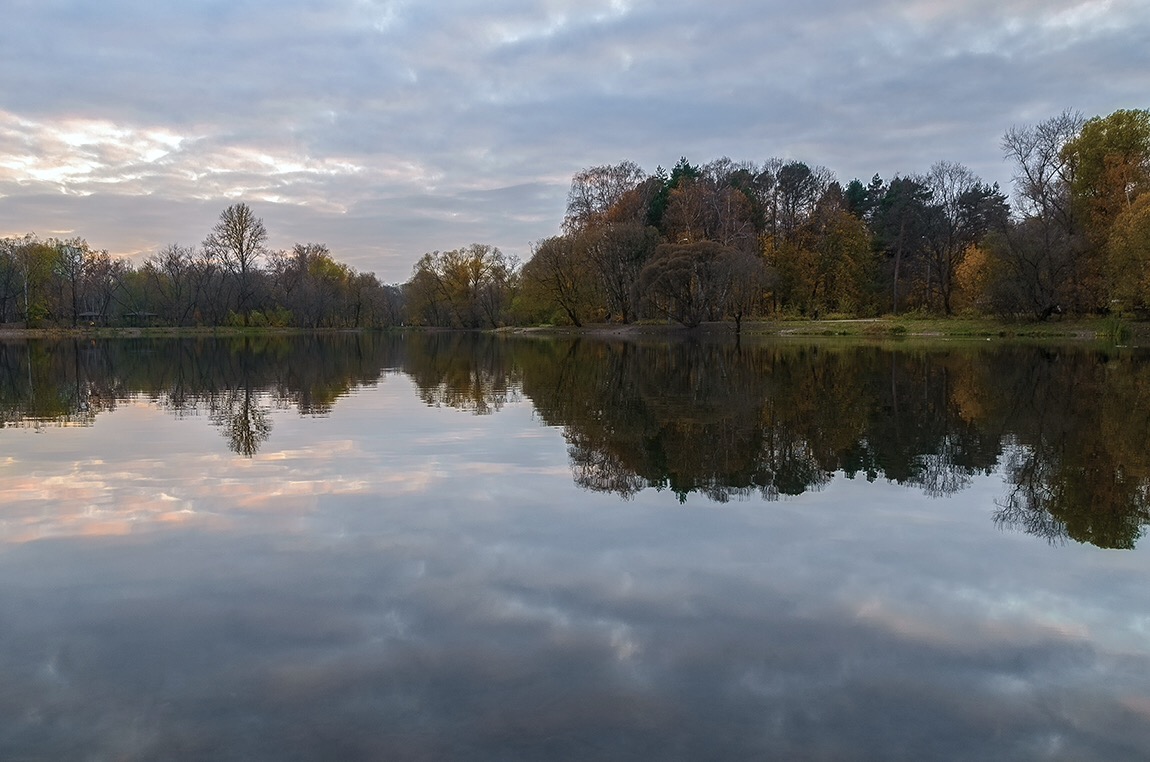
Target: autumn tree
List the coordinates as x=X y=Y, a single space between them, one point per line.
x=424 y=295
x=312 y=285
x=753 y=182
x=690 y=283
x=374 y=304
x=69 y=258
x=596 y=190
x=749 y=279
x=962 y=211
x=788 y=194
x=972 y=279
x=211 y=281
x=1128 y=255
x=464 y=288
x=1109 y=161
x=798 y=188
x=838 y=257
x=707 y=209
x=559 y=273
x=10 y=286
x=683 y=172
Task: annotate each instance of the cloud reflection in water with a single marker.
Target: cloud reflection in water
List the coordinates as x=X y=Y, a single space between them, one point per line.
x=396 y=580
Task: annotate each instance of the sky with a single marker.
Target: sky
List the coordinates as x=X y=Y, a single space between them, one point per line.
x=390 y=129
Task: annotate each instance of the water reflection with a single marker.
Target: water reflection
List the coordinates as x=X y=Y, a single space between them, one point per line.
x=236 y=382
x=408 y=571
x=463 y=371
x=1066 y=426
x=772 y=420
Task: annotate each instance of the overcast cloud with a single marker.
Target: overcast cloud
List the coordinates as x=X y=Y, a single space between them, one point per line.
x=388 y=129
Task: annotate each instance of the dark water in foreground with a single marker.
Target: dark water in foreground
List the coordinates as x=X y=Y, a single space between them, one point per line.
x=453 y=547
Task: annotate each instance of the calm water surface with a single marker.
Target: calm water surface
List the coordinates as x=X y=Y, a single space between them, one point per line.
x=449 y=547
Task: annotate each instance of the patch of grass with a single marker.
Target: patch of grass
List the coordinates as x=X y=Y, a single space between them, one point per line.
x=964 y=327
x=1115 y=330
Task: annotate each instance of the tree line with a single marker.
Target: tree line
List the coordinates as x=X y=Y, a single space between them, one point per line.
x=231 y=279
x=727 y=240
x=723 y=240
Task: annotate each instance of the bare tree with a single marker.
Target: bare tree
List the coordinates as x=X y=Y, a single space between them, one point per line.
x=963 y=211
x=1042 y=171
x=1044 y=250
x=70 y=258
x=103 y=282
x=238 y=240
x=617 y=255
x=747 y=277
x=596 y=189
x=689 y=283
x=170 y=274
x=10 y=287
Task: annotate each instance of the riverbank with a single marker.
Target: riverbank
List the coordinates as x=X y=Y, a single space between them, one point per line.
x=1084 y=329
x=1079 y=329
x=11 y=332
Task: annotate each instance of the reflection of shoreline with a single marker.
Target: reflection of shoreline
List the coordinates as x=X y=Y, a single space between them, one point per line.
x=51 y=423
x=779 y=419
x=722 y=419
x=973 y=329
x=75 y=380
x=64 y=333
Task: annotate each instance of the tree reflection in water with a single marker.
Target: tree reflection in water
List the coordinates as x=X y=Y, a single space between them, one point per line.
x=246 y=423
x=1066 y=427
x=236 y=381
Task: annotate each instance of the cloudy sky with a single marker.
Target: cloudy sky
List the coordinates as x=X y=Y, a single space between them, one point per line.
x=388 y=128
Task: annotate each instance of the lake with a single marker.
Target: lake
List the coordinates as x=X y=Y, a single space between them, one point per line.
x=449 y=546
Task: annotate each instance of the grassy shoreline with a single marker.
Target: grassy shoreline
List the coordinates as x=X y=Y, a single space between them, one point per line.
x=1085 y=329
x=9 y=332
x=1079 y=329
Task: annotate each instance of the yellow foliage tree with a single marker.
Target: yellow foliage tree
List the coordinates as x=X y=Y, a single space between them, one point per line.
x=972 y=278
x=1128 y=254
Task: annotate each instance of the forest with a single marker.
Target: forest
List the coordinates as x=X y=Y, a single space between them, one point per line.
x=732 y=240
x=720 y=241
x=231 y=279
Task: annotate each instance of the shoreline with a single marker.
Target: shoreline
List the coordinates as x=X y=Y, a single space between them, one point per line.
x=11 y=332
x=1086 y=329
x=1080 y=329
